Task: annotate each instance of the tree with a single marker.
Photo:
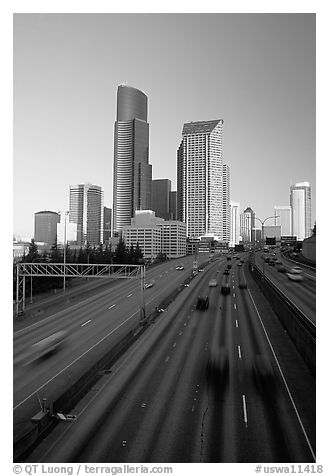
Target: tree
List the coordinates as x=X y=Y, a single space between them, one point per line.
x=120 y=255
x=32 y=254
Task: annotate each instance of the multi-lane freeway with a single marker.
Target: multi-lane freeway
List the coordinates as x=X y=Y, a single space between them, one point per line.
x=224 y=384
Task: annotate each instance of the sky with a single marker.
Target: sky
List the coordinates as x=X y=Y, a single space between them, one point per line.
x=256 y=71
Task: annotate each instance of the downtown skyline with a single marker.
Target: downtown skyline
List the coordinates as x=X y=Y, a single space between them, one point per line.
x=68 y=133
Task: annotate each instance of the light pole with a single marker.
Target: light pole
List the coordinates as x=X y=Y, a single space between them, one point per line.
x=65 y=215
x=262 y=222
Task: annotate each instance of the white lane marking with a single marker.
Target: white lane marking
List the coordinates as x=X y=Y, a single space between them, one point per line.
x=244 y=404
x=129 y=295
x=111 y=307
x=85 y=323
x=284 y=380
x=233 y=294
x=234 y=306
x=75 y=360
x=239 y=351
x=236 y=323
x=174 y=344
x=167 y=358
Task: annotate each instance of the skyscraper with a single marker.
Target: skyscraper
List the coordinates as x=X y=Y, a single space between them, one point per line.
x=45 y=227
x=300 y=203
x=86 y=210
x=283 y=218
x=226 y=204
x=132 y=182
x=235 y=223
x=161 y=189
x=200 y=179
x=247 y=223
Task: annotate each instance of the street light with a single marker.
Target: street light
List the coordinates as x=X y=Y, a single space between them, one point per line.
x=262 y=222
x=65 y=215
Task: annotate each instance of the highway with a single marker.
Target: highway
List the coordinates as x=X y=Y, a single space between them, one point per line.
x=301 y=294
x=220 y=385
x=93 y=325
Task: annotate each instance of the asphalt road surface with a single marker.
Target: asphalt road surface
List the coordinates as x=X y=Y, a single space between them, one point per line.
x=220 y=385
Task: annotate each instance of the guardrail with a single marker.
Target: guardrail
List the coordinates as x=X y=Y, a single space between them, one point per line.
x=300 y=328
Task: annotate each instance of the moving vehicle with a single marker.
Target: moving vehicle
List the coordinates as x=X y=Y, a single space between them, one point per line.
x=47 y=345
x=212 y=283
x=202 y=302
x=295 y=274
x=226 y=271
x=149 y=284
x=179 y=268
x=225 y=289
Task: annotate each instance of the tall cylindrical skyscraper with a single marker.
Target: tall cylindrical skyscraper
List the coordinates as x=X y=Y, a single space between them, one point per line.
x=132 y=183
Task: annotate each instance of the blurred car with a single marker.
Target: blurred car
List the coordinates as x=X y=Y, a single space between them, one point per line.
x=263 y=374
x=278 y=261
x=201 y=269
x=271 y=263
x=202 y=302
x=229 y=266
x=218 y=365
x=240 y=264
x=226 y=271
x=243 y=284
x=212 y=283
x=149 y=284
x=281 y=269
x=47 y=345
x=225 y=289
x=294 y=276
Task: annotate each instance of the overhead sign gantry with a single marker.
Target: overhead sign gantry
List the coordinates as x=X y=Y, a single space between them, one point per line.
x=70 y=270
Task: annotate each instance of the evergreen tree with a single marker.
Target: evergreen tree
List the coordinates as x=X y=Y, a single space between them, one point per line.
x=120 y=256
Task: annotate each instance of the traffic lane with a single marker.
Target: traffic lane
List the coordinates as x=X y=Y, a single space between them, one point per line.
x=86 y=330
x=168 y=330
x=268 y=398
x=45 y=374
x=299 y=293
x=90 y=310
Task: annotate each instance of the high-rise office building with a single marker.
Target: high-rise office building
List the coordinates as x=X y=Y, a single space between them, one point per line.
x=247 y=223
x=87 y=211
x=283 y=218
x=226 y=204
x=161 y=189
x=173 y=205
x=107 y=224
x=132 y=182
x=235 y=223
x=200 y=179
x=45 y=227
x=300 y=203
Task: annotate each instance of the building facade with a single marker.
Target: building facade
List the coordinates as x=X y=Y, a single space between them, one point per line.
x=132 y=179
x=200 y=179
x=247 y=223
x=45 y=227
x=107 y=224
x=161 y=189
x=173 y=205
x=87 y=212
x=155 y=235
x=283 y=218
x=235 y=223
x=300 y=203
x=226 y=204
